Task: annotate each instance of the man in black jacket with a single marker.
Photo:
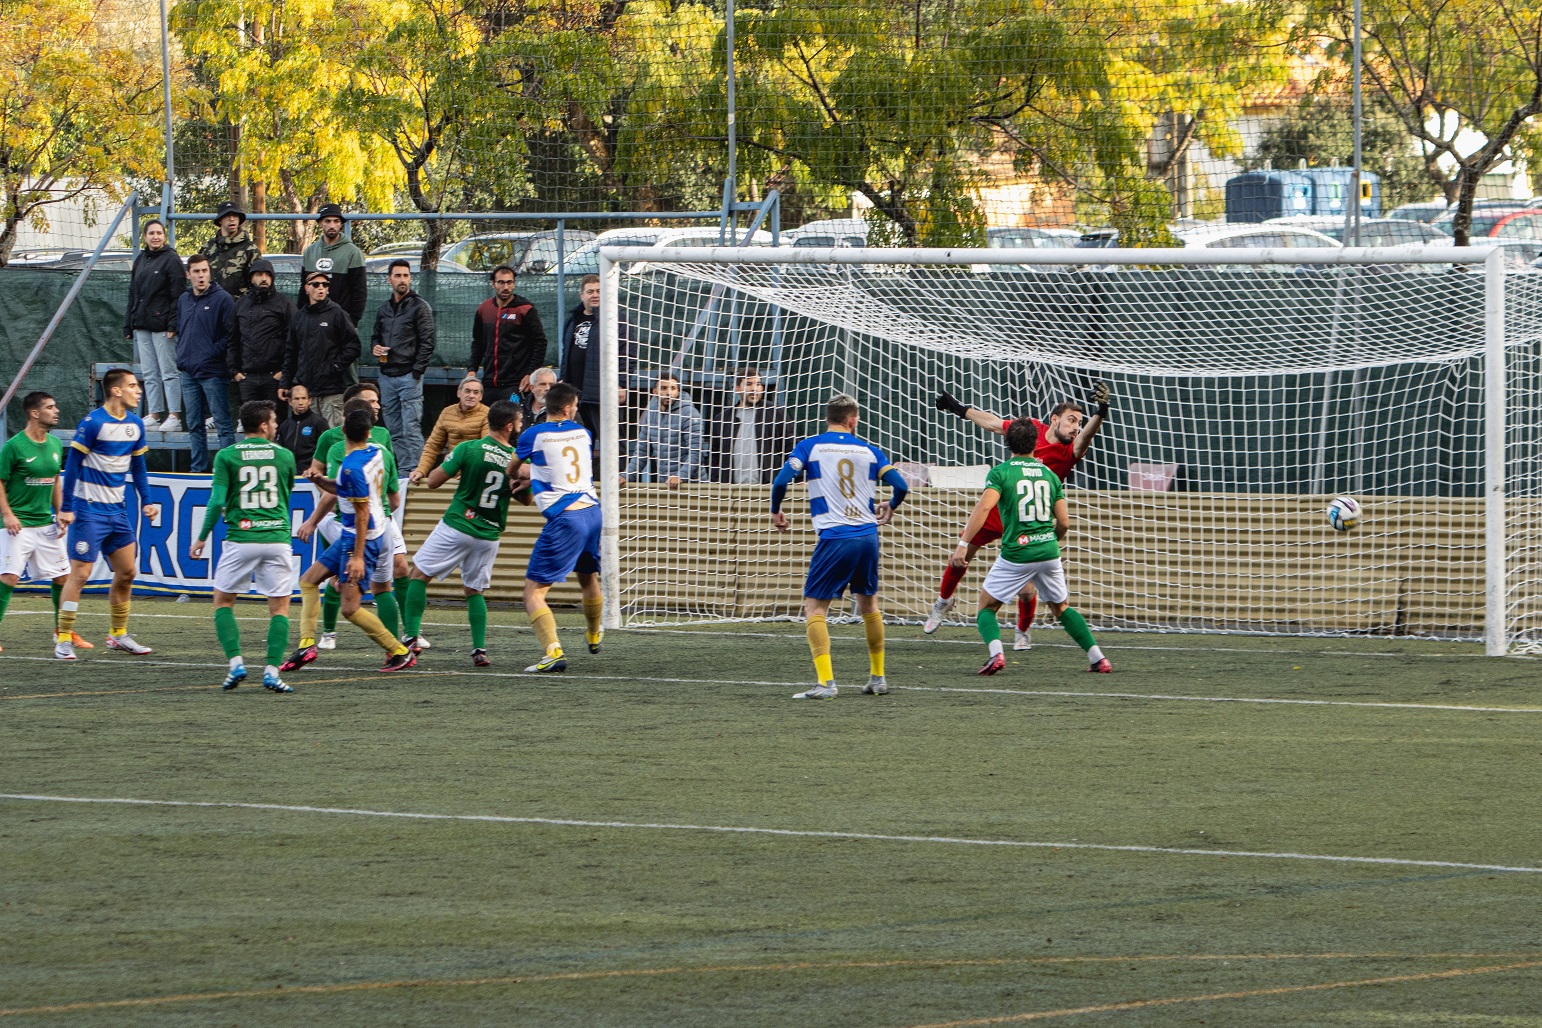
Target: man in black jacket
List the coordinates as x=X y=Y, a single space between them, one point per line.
x=747 y=442
x=260 y=336
x=155 y=282
x=323 y=344
x=403 y=342
x=580 y=365
x=507 y=340
x=302 y=429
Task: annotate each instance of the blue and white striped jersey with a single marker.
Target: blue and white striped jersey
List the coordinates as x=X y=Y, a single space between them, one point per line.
x=843 y=473
x=560 y=470
x=362 y=476
x=107 y=447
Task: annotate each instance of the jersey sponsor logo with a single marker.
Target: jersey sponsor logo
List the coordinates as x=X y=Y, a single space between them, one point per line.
x=40 y=481
x=496 y=456
x=470 y=514
x=245 y=524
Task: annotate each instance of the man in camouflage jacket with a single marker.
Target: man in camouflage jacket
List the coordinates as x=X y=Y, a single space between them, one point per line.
x=231 y=251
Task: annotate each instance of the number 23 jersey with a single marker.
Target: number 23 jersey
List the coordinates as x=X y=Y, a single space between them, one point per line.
x=253 y=480
x=561 y=475
x=843 y=473
x=1029 y=491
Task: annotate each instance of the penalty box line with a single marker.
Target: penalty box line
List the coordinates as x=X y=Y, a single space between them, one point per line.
x=945 y=840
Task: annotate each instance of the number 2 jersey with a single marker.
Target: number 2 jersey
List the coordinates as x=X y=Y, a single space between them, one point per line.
x=480 y=507
x=560 y=472
x=1029 y=491
x=251 y=485
x=843 y=473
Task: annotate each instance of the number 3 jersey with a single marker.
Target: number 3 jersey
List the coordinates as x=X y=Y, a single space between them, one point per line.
x=1029 y=491
x=560 y=473
x=843 y=473
x=252 y=482
x=480 y=508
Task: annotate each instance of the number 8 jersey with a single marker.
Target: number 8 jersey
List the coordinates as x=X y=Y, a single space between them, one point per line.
x=252 y=482
x=1029 y=491
x=561 y=475
x=843 y=473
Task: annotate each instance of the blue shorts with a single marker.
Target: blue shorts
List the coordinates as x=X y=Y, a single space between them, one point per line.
x=335 y=559
x=569 y=542
x=848 y=560
x=93 y=534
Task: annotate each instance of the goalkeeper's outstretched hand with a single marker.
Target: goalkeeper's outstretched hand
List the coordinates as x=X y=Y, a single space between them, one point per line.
x=1100 y=396
x=945 y=402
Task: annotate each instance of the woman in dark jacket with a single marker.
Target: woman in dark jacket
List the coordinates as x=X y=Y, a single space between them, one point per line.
x=155 y=283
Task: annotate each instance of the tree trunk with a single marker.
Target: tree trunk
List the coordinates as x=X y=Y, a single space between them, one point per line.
x=1467 y=191
x=260 y=206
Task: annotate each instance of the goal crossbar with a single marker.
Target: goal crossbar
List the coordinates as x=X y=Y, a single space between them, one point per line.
x=1165 y=255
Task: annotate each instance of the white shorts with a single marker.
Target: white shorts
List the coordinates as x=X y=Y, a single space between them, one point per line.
x=446 y=549
x=38 y=550
x=1006 y=579
x=271 y=564
x=391 y=543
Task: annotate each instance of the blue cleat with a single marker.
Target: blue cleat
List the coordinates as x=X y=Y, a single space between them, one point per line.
x=275 y=684
x=236 y=677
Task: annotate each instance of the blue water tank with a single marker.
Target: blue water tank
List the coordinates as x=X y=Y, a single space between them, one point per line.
x=1256 y=196
x=1330 y=188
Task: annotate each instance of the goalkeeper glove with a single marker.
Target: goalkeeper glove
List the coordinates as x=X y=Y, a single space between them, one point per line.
x=946 y=403
x=1100 y=397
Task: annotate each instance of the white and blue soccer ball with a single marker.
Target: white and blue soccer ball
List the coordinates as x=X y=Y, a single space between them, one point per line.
x=1343 y=513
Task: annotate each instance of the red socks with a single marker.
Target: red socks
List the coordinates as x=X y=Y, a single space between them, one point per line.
x=1025 y=612
x=951 y=576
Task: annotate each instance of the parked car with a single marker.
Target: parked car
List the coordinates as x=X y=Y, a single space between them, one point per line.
x=531 y=252
x=1425 y=211
x=829 y=233
x=1497 y=219
x=1373 y=231
x=398 y=249
x=1250 y=236
x=1031 y=238
x=71 y=260
x=285 y=263
x=687 y=237
x=586 y=259
x=382 y=265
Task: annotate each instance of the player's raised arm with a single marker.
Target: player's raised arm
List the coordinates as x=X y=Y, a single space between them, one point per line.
x=1100 y=396
x=982 y=510
x=985 y=419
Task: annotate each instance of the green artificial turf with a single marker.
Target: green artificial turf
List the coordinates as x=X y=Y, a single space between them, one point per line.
x=278 y=917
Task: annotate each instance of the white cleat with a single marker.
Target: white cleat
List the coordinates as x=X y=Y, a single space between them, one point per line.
x=424 y=644
x=64 y=651
x=876 y=686
x=827 y=691
x=328 y=641
x=1023 y=640
x=939 y=611
x=127 y=644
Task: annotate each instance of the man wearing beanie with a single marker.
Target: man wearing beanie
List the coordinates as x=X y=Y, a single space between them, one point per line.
x=259 y=335
x=335 y=255
x=231 y=251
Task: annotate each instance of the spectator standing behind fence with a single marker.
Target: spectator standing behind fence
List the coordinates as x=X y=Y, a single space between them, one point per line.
x=299 y=432
x=323 y=344
x=155 y=282
x=746 y=443
x=204 y=314
x=580 y=365
x=259 y=335
x=507 y=340
x=541 y=381
x=667 y=447
x=457 y=423
x=336 y=255
x=403 y=342
x=231 y=252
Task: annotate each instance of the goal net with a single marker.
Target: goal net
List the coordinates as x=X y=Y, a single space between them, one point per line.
x=1248 y=389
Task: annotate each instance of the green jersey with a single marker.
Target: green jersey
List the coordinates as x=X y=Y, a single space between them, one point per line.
x=334 y=437
x=1029 y=492
x=29 y=471
x=251 y=487
x=335 y=455
x=480 y=507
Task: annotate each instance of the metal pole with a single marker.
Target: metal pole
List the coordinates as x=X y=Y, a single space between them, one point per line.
x=562 y=282
x=730 y=185
x=168 y=196
x=1359 y=112
x=1495 y=640
x=610 y=441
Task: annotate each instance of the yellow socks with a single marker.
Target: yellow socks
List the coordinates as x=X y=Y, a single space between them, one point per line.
x=546 y=631
x=872 y=624
x=118 y=618
x=371 y=626
x=310 y=612
x=819 y=647
x=67 y=611
x=593 y=610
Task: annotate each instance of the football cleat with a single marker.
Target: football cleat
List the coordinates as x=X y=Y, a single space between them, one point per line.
x=411 y=643
x=328 y=641
x=1023 y=640
x=548 y=664
x=939 y=611
x=299 y=658
x=1102 y=667
x=127 y=644
x=80 y=642
x=997 y=662
x=423 y=644
x=479 y=658
x=273 y=683
x=876 y=686
x=236 y=677
x=399 y=661
x=594 y=646
x=64 y=651
x=824 y=691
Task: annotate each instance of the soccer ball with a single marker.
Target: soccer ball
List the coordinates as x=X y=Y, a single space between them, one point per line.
x=1343 y=513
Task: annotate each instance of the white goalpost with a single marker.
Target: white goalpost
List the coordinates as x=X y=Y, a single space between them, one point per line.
x=1249 y=388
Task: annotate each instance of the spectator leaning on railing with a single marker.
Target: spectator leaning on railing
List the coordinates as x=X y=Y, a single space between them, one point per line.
x=667 y=447
x=231 y=251
x=204 y=314
x=323 y=344
x=155 y=282
x=457 y=423
x=403 y=342
x=336 y=255
x=507 y=340
x=302 y=429
x=259 y=335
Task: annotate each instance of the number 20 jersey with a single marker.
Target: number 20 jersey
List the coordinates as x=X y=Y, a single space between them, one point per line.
x=1029 y=491
x=843 y=473
x=560 y=471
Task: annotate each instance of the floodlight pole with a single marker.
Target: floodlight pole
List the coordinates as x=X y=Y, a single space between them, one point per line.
x=727 y=232
x=168 y=197
x=1352 y=211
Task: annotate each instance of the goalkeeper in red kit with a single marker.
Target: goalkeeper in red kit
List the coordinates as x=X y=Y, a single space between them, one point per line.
x=1063 y=441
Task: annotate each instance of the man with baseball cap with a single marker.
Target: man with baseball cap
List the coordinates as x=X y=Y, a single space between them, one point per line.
x=259 y=337
x=336 y=255
x=323 y=344
x=231 y=251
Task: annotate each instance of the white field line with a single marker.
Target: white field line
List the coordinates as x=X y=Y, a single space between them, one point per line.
x=782 y=832
x=1064 y=693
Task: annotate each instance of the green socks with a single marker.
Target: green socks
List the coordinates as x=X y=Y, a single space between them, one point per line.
x=229 y=632
x=990 y=630
x=5 y=597
x=413 y=607
x=331 y=603
x=476 y=613
x=1076 y=627
x=399 y=587
x=388 y=612
x=278 y=639
x=56 y=592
